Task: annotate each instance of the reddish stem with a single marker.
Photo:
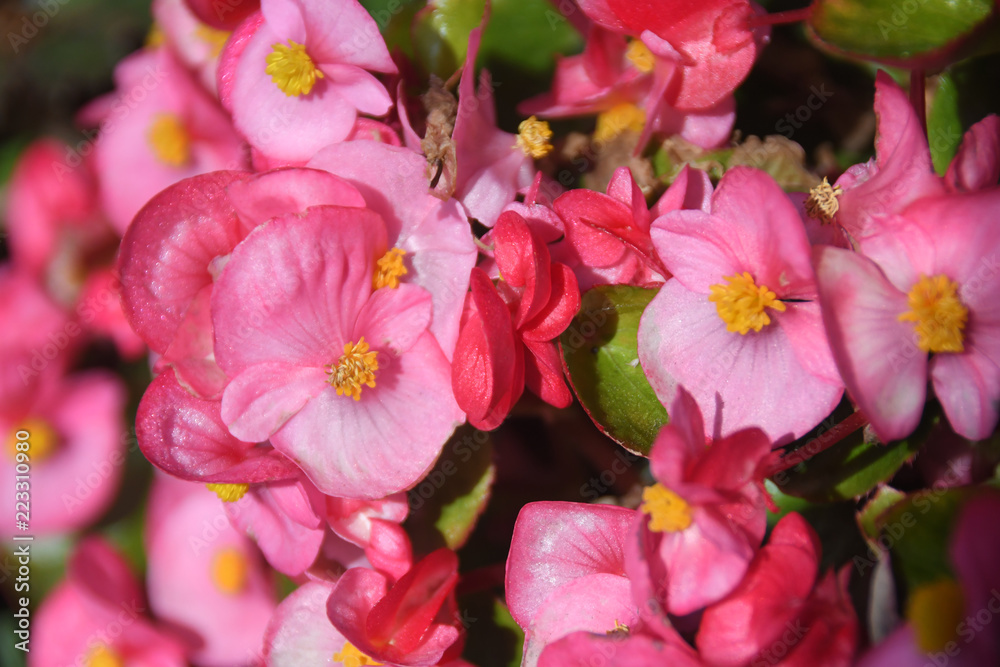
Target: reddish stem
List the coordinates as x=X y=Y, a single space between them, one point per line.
x=780 y=18
x=821 y=443
x=918 y=97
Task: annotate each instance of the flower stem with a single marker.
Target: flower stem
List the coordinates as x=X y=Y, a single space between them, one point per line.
x=780 y=18
x=821 y=443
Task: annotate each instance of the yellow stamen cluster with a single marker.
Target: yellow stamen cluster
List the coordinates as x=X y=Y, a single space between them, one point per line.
x=102 y=655
x=935 y=611
x=388 y=269
x=229 y=493
x=620 y=629
x=741 y=303
x=216 y=39
x=617 y=120
x=291 y=69
x=43 y=440
x=822 y=203
x=533 y=137
x=230 y=571
x=639 y=55
x=668 y=512
x=938 y=314
x=355 y=369
x=155 y=37
x=350 y=656
x=170 y=140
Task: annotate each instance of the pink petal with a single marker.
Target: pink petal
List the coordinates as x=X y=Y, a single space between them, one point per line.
x=977 y=164
x=364 y=92
x=262 y=398
x=288 y=546
x=968 y=386
x=344 y=32
x=300 y=633
x=394 y=318
x=282 y=191
x=580 y=649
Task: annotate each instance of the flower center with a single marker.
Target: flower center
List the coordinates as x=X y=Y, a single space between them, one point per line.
x=668 y=512
x=291 y=69
x=388 y=269
x=533 y=137
x=935 y=612
x=822 y=203
x=639 y=55
x=42 y=439
x=350 y=656
x=103 y=656
x=938 y=314
x=229 y=493
x=741 y=303
x=618 y=119
x=170 y=140
x=356 y=367
x=229 y=571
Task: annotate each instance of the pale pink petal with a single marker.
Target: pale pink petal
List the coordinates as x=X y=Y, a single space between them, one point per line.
x=364 y=92
x=977 y=164
x=282 y=191
x=288 y=546
x=259 y=400
x=394 y=318
x=968 y=387
x=300 y=633
x=344 y=32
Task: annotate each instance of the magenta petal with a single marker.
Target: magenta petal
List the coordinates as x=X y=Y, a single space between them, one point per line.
x=262 y=398
x=555 y=543
x=580 y=650
x=968 y=387
x=357 y=592
x=885 y=372
x=977 y=164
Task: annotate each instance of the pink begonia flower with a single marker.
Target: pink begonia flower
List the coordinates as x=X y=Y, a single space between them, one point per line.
x=171 y=255
x=99 y=308
x=195 y=554
x=566 y=572
x=76 y=451
x=412 y=622
x=330 y=359
x=618 y=649
x=628 y=87
x=98 y=616
x=921 y=304
x=439 y=250
x=195 y=43
x=490 y=167
x=976 y=165
x=296 y=75
x=738 y=324
x=223 y=15
x=709 y=44
x=948 y=620
x=706 y=513
x=507 y=337
x=158 y=127
x=782 y=612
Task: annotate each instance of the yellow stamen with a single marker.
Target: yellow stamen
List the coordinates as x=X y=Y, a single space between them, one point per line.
x=388 y=269
x=102 y=655
x=42 y=439
x=356 y=367
x=668 y=512
x=822 y=204
x=170 y=140
x=533 y=137
x=350 y=656
x=935 y=611
x=155 y=37
x=617 y=120
x=938 y=314
x=214 y=38
x=741 y=303
x=639 y=55
x=230 y=570
x=229 y=493
x=291 y=69
x=619 y=629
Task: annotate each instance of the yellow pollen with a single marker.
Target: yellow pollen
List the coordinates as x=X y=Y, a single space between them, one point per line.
x=668 y=512
x=533 y=137
x=822 y=204
x=214 y=38
x=42 y=440
x=229 y=493
x=639 y=55
x=938 y=314
x=291 y=69
x=170 y=140
x=619 y=629
x=155 y=37
x=230 y=570
x=355 y=368
x=935 y=611
x=350 y=656
x=103 y=656
x=617 y=120
x=741 y=303
x=388 y=269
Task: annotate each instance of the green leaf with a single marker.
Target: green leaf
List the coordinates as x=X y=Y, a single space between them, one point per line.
x=444 y=507
x=868 y=516
x=848 y=469
x=494 y=637
x=600 y=351
x=944 y=125
x=893 y=31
